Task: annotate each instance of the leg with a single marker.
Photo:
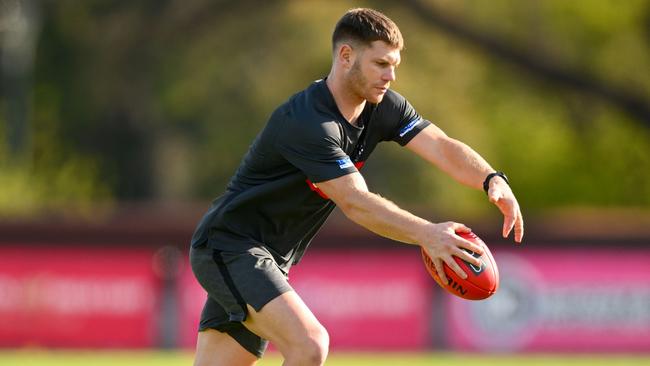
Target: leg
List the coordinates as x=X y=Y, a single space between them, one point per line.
x=249 y=287
x=288 y=323
x=221 y=342
x=214 y=348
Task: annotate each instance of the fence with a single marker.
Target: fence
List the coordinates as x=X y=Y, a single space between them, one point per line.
x=59 y=288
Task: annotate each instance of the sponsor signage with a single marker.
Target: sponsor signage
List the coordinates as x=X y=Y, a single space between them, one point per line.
x=77 y=297
x=368 y=299
x=549 y=300
x=191 y=299
x=559 y=300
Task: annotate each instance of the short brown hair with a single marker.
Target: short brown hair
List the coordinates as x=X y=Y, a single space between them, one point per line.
x=364 y=26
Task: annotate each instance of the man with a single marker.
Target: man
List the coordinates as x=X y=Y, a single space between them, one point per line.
x=303 y=164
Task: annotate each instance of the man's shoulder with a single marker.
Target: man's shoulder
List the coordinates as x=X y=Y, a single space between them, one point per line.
x=294 y=124
x=308 y=110
x=312 y=99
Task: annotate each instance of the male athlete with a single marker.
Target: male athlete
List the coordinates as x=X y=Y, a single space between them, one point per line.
x=303 y=163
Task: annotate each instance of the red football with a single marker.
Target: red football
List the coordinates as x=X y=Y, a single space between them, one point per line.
x=481 y=282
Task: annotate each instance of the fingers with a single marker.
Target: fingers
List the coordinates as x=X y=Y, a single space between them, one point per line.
x=450 y=244
x=508 y=224
x=461 y=242
x=441 y=272
x=519 y=228
x=469 y=258
x=509 y=208
x=512 y=217
x=448 y=258
x=455 y=267
x=460 y=228
x=471 y=246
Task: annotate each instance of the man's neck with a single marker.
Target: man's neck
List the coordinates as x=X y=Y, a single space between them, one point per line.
x=350 y=105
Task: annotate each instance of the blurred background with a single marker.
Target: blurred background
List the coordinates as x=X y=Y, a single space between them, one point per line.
x=120 y=122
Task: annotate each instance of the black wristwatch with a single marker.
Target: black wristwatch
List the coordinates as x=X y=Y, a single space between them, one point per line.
x=486 y=182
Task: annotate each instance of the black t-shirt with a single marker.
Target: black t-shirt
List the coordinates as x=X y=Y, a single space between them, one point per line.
x=271 y=200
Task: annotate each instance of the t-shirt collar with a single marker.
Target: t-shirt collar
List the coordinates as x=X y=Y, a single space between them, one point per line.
x=329 y=102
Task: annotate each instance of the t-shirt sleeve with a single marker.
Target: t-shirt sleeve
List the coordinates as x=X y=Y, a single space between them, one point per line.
x=315 y=149
x=406 y=123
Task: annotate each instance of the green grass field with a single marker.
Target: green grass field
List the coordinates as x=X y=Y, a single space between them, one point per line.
x=34 y=357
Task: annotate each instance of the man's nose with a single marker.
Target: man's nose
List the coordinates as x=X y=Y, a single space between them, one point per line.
x=389 y=75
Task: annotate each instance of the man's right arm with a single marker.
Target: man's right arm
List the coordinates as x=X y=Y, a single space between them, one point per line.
x=385 y=218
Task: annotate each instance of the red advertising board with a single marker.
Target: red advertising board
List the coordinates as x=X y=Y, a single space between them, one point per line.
x=77 y=297
x=549 y=300
x=595 y=300
x=366 y=299
x=191 y=299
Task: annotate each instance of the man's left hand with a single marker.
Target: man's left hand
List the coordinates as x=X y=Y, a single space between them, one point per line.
x=501 y=195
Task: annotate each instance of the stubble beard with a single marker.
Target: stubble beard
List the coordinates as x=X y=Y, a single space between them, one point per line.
x=359 y=84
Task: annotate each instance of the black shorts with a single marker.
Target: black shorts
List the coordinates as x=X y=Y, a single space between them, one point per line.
x=232 y=280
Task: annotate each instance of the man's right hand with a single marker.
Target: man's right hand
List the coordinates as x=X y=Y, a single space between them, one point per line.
x=441 y=243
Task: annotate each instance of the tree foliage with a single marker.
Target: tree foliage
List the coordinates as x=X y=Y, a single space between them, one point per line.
x=159 y=100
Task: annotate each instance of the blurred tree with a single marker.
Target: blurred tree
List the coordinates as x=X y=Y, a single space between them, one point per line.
x=559 y=133
x=158 y=100
x=537 y=62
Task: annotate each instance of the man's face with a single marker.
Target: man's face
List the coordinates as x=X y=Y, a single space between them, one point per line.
x=373 y=70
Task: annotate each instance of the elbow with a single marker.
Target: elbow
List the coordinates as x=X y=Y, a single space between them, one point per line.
x=344 y=204
x=352 y=207
x=348 y=209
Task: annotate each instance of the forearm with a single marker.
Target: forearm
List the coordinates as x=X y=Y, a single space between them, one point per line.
x=451 y=156
x=383 y=217
x=440 y=241
x=463 y=163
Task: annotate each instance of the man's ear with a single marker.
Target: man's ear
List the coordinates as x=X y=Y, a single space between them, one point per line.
x=345 y=55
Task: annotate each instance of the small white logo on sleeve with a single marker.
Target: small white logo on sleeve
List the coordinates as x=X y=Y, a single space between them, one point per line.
x=345 y=163
x=411 y=125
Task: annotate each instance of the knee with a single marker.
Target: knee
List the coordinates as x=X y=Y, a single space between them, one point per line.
x=318 y=346
x=313 y=349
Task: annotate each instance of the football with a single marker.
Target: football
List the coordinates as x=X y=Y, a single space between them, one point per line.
x=480 y=283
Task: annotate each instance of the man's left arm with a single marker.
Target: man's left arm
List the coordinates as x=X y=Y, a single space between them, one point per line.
x=466 y=166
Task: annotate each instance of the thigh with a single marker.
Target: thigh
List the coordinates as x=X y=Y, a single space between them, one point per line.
x=234 y=281
x=214 y=316
x=214 y=348
x=286 y=321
